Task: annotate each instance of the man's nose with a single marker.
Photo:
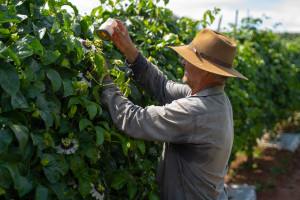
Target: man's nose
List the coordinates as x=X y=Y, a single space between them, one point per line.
x=183 y=62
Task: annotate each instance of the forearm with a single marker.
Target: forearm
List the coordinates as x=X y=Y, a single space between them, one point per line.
x=155 y=82
x=131 y=53
x=155 y=123
x=128 y=117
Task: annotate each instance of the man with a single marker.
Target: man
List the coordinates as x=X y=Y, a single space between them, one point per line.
x=195 y=123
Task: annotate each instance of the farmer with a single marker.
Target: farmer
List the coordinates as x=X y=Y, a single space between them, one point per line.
x=195 y=122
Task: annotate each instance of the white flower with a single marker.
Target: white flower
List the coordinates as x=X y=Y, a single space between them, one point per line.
x=87 y=45
x=97 y=191
x=67 y=146
x=83 y=77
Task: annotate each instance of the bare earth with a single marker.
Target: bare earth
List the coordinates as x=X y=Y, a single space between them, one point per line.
x=275 y=173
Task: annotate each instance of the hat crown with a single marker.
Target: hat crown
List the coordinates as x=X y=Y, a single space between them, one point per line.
x=215 y=45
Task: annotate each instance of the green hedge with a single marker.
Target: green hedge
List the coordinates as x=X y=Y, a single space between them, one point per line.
x=46 y=104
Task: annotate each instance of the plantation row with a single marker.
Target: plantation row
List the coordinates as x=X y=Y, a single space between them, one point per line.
x=57 y=142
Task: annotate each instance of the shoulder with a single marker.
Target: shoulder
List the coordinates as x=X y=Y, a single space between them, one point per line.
x=205 y=104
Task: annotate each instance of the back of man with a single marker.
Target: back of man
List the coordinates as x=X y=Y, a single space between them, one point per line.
x=197 y=131
x=195 y=122
x=196 y=169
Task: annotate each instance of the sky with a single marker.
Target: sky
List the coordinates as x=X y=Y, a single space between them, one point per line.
x=272 y=12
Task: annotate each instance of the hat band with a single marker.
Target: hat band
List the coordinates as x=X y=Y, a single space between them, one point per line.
x=210 y=58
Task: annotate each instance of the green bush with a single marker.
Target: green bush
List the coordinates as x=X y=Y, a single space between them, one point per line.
x=57 y=142
x=272 y=93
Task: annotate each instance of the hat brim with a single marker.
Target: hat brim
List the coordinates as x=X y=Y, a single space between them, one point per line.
x=188 y=54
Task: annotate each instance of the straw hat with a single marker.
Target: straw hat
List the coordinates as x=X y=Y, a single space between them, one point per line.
x=212 y=52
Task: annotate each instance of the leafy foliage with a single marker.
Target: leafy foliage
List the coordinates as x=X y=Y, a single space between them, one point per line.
x=55 y=138
x=272 y=94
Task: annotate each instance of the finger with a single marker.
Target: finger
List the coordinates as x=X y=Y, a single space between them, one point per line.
x=115 y=35
x=121 y=26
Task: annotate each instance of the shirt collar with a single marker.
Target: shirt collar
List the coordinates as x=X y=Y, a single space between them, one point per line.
x=210 y=91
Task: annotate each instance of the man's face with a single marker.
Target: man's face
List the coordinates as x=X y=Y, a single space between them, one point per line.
x=192 y=74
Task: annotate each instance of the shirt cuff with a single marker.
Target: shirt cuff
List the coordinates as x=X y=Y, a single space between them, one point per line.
x=138 y=65
x=106 y=84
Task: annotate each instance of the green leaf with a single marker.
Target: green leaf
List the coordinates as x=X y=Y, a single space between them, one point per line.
x=61 y=164
x=8 y=75
x=2 y=191
x=84 y=27
x=41 y=193
x=39 y=32
x=105 y=125
x=67 y=20
x=55 y=28
x=36 y=89
x=5 y=139
x=4 y=18
x=76 y=29
x=100 y=132
x=79 y=51
x=38 y=139
x=55 y=79
x=58 y=189
x=68 y=88
x=7 y=54
x=19 y=101
x=84 y=187
x=120 y=179
x=75 y=101
x=131 y=188
x=39 y=3
x=153 y=196
x=5 y=101
x=84 y=123
x=141 y=145
x=96 y=94
x=5 y=177
x=70 y=43
x=99 y=64
x=55 y=167
x=49 y=57
x=125 y=145
x=47 y=117
x=66 y=3
x=76 y=163
x=4 y=33
x=34 y=43
x=94 y=11
x=23 y=185
x=92 y=109
x=92 y=153
x=22 y=49
x=22 y=134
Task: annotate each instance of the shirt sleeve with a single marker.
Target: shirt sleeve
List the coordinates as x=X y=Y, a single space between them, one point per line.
x=155 y=123
x=155 y=82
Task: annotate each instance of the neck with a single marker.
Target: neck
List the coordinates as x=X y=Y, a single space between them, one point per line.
x=202 y=85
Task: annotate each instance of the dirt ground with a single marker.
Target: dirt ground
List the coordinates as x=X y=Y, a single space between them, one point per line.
x=275 y=173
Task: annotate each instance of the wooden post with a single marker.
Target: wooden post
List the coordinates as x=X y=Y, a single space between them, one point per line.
x=219 y=25
x=235 y=24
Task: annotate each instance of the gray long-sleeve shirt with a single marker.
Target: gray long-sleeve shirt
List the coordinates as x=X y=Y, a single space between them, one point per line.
x=197 y=131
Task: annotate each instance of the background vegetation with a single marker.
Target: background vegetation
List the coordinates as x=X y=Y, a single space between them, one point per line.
x=57 y=142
